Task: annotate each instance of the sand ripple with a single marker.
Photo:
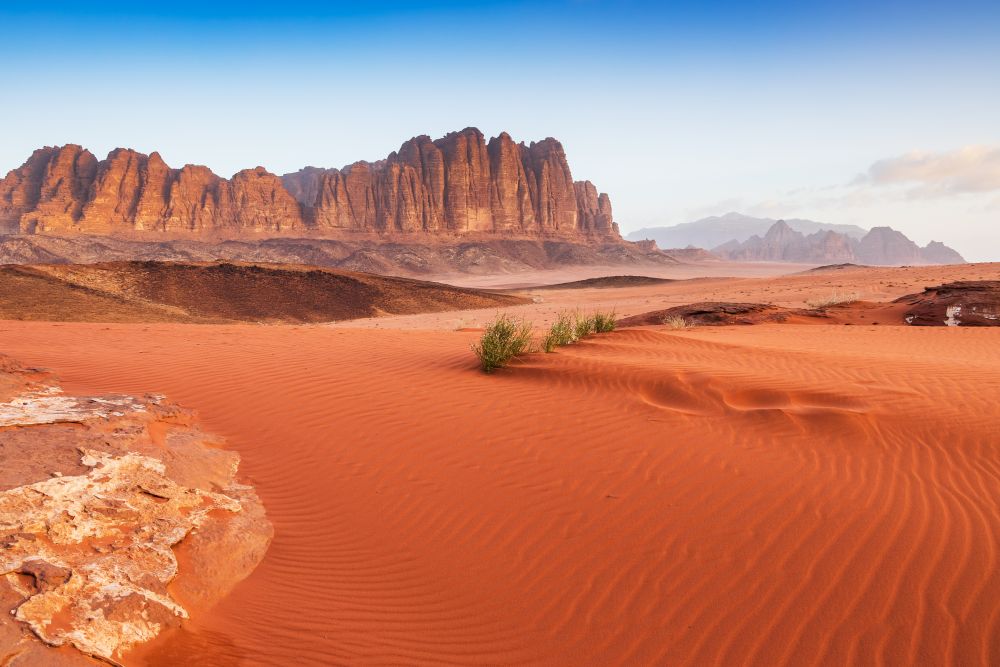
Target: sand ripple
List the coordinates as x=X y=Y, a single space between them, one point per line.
x=766 y=495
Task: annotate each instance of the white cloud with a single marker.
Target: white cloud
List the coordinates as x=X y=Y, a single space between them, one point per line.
x=969 y=169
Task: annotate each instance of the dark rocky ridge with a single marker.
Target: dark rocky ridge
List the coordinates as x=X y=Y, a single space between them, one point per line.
x=409 y=256
x=221 y=292
x=716 y=313
x=964 y=303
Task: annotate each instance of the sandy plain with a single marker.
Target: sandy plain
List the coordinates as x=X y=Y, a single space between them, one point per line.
x=767 y=494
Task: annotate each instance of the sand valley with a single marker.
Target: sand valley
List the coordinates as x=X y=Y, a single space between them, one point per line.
x=775 y=493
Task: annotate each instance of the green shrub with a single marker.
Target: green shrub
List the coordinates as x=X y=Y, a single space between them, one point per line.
x=561 y=333
x=504 y=338
x=582 y=327
x=604 y=322
x=571 y=327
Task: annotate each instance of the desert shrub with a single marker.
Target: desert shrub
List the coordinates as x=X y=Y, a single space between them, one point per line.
x=560 y=333
x=571 y=327
x=676 y=322
x=835 y=299
x=604 y=322
x=504 y=338
x=582 y=326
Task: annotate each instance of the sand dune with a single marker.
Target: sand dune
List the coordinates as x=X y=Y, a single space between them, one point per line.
x=774 y=494
x=877 y=286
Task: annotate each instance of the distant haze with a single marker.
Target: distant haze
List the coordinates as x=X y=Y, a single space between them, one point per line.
x=715 y=230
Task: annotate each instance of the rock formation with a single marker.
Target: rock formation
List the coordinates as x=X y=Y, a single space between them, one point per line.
x=966 y=303
x=715 y=230
x=781 y=243
x=458 y=185
x=95 y=493
x=880 y=246
x=936 y=252
x=412 y=256
x=884 y=245
x=715 y=313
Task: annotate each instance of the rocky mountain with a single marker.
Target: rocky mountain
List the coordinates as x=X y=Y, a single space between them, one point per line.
x=880 y=246
x=716 y=230
x=459 y=185
x=884 y=245
x=936 y=252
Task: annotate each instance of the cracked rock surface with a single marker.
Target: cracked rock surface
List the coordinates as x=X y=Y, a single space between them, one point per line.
x=95 y=494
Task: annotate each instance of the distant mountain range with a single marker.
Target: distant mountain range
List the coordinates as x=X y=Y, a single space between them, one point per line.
x=880 y=246
x=764 y=240
x=718 y=229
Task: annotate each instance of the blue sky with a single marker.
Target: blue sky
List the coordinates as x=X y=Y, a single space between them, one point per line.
x=677 y=110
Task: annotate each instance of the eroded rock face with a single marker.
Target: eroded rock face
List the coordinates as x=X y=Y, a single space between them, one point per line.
x=969 y=303
x=48 y=191
x=98 y=550
x=50 y=405
x=459 y=184
x=95 y=492
x=456 y=185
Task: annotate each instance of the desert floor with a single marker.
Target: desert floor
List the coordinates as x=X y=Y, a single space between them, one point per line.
x=769 y=494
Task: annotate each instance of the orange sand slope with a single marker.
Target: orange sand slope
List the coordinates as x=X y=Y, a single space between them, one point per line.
x=767 y=495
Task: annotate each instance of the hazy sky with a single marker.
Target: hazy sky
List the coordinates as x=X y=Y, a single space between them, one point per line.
x=871 y=113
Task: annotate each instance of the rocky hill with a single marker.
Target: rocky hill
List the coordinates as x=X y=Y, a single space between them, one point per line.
x=412 y=256
x=880 y=246
x=221 y=292
x=459 y=185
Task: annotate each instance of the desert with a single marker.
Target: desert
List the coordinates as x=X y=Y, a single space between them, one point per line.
x=738 y=492
x=550 y=333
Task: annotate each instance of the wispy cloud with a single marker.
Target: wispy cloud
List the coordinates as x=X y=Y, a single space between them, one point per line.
x=966 y=170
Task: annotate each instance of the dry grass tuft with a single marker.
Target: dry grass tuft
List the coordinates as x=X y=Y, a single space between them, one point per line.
x=676 y=322
x=835 y=299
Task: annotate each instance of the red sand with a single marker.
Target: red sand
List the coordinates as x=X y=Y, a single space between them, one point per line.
x=773 y=494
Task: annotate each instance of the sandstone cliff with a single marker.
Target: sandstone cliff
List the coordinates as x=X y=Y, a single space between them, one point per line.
x=459 y=185
x=880 y=246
